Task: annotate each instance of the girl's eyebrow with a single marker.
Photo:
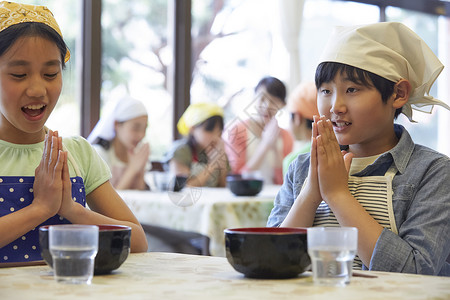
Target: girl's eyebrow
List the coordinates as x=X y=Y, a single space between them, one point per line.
x=18 y=63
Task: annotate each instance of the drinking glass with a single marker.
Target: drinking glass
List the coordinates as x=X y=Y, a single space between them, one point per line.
x=332 y=250
x=73 y=249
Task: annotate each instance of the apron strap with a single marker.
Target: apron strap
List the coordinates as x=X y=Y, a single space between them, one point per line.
x=391 y=172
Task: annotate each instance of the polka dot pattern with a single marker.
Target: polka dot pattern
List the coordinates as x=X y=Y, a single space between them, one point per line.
x=17 y=193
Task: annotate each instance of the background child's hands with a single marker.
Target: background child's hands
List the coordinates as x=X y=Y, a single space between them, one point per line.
x=48 y=184
x=270 y=133
x=138 y=158
x=216 y=155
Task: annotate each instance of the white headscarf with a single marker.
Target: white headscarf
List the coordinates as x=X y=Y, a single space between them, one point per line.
x=393 y=51
x=121 y=110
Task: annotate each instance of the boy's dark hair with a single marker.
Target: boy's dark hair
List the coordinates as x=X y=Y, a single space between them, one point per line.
x=208 y=125
x=327 y=71
x=11 y=34
x=273 y=86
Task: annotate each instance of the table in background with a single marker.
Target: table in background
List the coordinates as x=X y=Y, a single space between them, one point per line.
x=180 y=276
x=207 y=211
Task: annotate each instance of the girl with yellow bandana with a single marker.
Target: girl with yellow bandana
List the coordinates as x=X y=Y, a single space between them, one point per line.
x=200 y=156
x=44 y=179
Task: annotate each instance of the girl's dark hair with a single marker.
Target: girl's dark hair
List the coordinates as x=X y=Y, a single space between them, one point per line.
x=102 y=142
x=106 y=144
x=327 y=71
x=11 y=34
x=208 y=125
x=273 y=86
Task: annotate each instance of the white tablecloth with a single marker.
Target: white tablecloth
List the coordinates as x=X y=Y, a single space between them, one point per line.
x=203 y=210
x=180 y=276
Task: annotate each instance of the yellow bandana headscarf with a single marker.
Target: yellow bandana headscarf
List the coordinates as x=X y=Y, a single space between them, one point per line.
x=14 y=13
x=197 y=113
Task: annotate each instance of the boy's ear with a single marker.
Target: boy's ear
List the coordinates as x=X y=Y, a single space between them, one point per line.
x=402 y=91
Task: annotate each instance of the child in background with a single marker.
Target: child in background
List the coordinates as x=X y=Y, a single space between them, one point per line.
x=117 y=137
x=44 y=179
x=258 y=145
x=302 y=105
x=398 y=192
x=200 y=156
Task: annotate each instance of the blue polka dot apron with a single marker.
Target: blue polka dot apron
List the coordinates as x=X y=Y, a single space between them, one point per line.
x=17 y=193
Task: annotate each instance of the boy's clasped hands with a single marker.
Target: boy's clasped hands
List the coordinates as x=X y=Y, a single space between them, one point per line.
x=52 y=187
x=328 y=172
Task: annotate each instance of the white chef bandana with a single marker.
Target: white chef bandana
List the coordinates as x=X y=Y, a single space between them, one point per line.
x=393 y=51
x=121 y=110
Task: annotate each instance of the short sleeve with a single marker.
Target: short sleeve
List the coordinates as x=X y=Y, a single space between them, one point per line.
x=102 y=152
x=93 y=168
x=181 y=152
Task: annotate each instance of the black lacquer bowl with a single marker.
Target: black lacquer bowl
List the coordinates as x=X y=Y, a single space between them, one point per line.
x=267 y=252
x=113 y=247
x=244 y=186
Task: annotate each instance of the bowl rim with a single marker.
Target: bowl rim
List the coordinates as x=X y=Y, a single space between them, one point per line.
x=266 y=230
x=244 y=180
x=101 y=227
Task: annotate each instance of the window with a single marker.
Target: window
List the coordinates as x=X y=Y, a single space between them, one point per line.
x=234 y=44
x=429 y=27
x=135 y=56
x=234 y=47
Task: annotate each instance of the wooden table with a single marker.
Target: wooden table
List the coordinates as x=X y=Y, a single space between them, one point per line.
x=179 y=276
x=207 y=211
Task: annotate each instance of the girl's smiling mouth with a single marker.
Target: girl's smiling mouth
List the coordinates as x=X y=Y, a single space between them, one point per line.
x=34 y=111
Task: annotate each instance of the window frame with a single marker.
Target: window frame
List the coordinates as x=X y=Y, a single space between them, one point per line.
x=180 y=76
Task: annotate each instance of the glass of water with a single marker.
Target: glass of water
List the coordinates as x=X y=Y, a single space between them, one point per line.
x=332 y=250
x=73 y=249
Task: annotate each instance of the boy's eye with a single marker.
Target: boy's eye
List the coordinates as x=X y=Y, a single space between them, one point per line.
x=19 y=76
x=352 y=90
x=51 y=75
x=325 y=91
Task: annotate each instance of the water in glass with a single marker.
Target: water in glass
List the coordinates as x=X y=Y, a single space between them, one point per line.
x=73 y=265
x=331 y=265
